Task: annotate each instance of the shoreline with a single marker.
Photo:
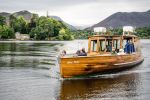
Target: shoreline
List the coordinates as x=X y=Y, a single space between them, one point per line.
x=38 y=41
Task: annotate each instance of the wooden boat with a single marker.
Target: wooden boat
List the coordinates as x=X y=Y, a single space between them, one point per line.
x=99 y=59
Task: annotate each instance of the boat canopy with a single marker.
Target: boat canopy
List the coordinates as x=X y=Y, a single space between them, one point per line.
x=105 y=43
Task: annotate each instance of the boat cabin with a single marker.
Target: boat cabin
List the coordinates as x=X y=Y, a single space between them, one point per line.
x=105 y=44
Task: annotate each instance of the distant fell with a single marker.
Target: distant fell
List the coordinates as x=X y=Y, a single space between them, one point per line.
x=26 y=14
x=71 y=27
x=120 y=19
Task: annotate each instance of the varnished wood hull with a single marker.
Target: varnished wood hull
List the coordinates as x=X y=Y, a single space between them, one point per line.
x=78 y=66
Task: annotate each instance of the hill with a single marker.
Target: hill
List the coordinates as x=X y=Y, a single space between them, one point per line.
x=59 y=19
x=28 y=15
x=119 y=19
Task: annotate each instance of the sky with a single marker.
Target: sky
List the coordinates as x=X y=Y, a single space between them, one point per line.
x=76 y=12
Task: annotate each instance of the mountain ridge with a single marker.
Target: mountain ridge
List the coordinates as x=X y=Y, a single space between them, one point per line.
x=120 y=19
x=59 y=19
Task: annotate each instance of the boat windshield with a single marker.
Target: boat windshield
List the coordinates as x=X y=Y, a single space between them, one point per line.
x=94 y=45
x=110 y=44
x=102 y=45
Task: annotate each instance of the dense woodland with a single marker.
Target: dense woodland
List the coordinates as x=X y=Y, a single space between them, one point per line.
x=44 y=28
x=143 y=33
x=39 y=28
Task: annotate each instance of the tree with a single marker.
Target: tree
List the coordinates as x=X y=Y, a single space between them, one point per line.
x=38 y=33
x=33 y=23
x=58 y=25
x=2 y=20
x=6 y=32
x=65 y=34
x=143 y=32
x=12 y=20
x=19 y=24
x=46 y=24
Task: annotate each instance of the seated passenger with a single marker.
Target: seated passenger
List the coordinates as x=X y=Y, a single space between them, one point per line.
x=121 y=52
x=117 y=50
x=113 y=51
x=108 y=48
x=63 y=53
x=78 y=52
x=81 y=52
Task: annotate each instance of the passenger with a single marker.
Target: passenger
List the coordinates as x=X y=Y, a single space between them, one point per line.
x=117 y=50
x=63 y=53
x=121 y=52
x=78 y=52
x=132 y=47
x=81 y=52
x=113 y=51
x=127 y=48
x=108 y=48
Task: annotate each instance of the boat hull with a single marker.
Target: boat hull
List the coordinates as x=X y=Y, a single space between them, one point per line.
x=79 y=66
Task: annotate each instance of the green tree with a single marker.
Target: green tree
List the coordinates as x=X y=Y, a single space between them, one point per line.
x=58 y=25
x=12 y=21
x=65 y=34
x=48 y=28
x=6 y=32
x=19 y=24
x=46 y=24
x=143 y=32
x=32 y=23
x=38 y=33
x=2 y=20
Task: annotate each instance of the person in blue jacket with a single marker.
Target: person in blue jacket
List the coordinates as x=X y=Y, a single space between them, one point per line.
x=127 y=48
x=132 y=47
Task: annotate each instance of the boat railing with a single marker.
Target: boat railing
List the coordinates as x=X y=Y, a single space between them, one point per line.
x=110 y=54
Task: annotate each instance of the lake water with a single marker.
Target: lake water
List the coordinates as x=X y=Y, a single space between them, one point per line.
x=28 y=71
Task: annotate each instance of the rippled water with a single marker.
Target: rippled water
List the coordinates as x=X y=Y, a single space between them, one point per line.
x=28 y=71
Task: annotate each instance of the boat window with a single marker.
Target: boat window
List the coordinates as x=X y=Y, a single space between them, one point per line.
x=124 y=43
x=116 y=45
x=102 y=45
x=94 y=45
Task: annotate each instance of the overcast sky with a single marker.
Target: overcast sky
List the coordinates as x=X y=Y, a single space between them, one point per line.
x=76 y=12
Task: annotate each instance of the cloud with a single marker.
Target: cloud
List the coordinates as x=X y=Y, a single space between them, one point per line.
x=76 y=12
x=11 y=5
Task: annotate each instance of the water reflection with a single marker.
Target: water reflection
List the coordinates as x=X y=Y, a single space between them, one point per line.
x=124 y=87
x=28 y=54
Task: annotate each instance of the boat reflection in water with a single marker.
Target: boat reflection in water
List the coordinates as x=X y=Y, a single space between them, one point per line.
x=121 y=86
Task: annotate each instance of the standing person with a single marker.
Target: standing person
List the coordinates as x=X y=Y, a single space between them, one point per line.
x=132 y=47
x=127 y=48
